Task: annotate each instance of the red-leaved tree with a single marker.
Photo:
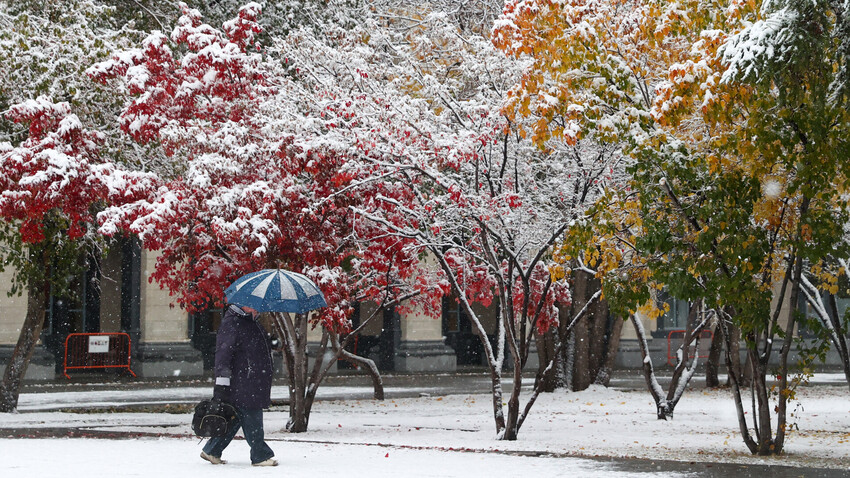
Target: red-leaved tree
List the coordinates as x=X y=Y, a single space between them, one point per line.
x=243 y=196
x=53 y=183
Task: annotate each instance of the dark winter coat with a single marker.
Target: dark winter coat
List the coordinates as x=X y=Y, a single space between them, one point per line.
x=243 y=354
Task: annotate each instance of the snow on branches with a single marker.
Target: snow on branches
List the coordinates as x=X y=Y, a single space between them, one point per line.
x=408 y=108
x=215 y=80
x=58 y=167
x=251 y=193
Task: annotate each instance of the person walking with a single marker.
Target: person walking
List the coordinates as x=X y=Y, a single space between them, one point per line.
x=243 y=377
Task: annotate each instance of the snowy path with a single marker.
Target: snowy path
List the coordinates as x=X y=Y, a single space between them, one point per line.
x=419 y=435
x=161 y=458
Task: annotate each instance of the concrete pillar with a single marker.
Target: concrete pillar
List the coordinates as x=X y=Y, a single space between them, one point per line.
x=422 y=347
x=164 y=349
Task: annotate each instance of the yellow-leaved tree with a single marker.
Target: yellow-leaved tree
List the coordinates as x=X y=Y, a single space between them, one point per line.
x=733 y=114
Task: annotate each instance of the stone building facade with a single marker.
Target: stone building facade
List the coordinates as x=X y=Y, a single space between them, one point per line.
x=116 y=295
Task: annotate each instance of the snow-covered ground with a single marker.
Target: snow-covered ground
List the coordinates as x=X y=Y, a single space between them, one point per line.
x=30 y=402
x=160 y=458
x=421 y=436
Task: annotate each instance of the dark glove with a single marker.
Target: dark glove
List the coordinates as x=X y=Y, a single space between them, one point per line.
x=221 y=392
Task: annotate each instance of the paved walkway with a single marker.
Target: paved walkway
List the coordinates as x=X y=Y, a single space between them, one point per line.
x=139 y=395
x=59 y=393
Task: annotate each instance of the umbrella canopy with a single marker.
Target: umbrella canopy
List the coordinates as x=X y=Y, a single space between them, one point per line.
x=276 y=290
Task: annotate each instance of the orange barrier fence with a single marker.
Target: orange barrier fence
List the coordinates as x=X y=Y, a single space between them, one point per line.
x=104 y=350
x=704 y=345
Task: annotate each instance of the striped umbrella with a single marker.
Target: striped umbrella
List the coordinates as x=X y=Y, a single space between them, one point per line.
x=275 y=290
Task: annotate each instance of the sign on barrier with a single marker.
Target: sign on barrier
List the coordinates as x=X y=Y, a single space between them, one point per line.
x=679 y=335
x=100 y=350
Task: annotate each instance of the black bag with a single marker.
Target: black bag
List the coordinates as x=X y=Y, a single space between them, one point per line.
x=213 y=418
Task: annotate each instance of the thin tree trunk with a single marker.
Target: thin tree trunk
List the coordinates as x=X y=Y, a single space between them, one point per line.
x=515 y=341
x=371 y=368
x=837 y=332
x=743 y=373
x=714 y=355
x=840 y=340
x=782 y=407
x=603 y=376
x=692 y=331
x=303 y=388
x=747 y=370
x=546 y=377
x=685 y=368
x=598 y=331
x=358 y=361
x=663 y=410
x=338 y=348
x=493 y=362
x=733 y=371
x=763 y=427
x=316 y=376
x=298 y=412
x=511 y=429
x=295 y=358
x=562 y=342
x=550 y=366
x=568 y=358
x=16 y=369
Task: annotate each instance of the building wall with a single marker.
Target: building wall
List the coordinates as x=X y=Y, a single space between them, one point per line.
x=162 y=320
x=13 y=310
x=421 y=346
x=164 y=347
x=416 y=325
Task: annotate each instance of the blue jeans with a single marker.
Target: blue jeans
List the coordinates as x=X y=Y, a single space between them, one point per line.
x=251 y=422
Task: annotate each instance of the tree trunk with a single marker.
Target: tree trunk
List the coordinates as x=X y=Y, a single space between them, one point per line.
x=316 y=376
x=714 y=356
x=748 y=370
x=782 y=406
x=494 y=363
x=294 y=337
x=371 y=368
x=662 y=407
x=734 y=381
x=357 y=361
x=845 y=360
x=564 y=352
x=546 y=379
x=299 y=415
x=582 y=372
x=685 y=367
x=595 y=338
x=744 y=372
x=603 y=375
x=511 y=428
x=763 y=428
x=567 y=359
x=839 y=340
x=590 y=350
x=16 y=369
x=598 y=329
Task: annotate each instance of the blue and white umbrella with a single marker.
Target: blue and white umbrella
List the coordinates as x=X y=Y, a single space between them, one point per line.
x=275 y=290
